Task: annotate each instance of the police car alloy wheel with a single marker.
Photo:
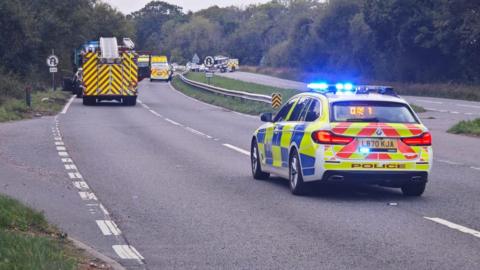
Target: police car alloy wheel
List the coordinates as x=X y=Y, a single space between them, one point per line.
x=297 y=186
x=255 y=162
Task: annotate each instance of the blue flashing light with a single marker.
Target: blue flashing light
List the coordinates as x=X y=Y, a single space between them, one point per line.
x=364 y=150
x=339 y=86
x=318 y=86
x=348 y=86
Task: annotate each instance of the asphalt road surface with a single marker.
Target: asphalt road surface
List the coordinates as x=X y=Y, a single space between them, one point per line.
x=167 y=185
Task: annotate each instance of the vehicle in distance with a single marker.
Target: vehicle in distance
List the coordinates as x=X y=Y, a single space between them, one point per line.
x=344 y=133
x=160 y=69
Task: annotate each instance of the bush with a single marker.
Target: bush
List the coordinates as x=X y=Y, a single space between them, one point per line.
x=11 y=87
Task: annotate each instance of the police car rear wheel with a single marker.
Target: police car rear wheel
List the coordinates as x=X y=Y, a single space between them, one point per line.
x=414 y=189
x=297 y=186
x=255 y=161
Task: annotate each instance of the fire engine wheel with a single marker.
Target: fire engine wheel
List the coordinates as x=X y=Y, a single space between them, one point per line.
x=89 y=101
x=129 y=101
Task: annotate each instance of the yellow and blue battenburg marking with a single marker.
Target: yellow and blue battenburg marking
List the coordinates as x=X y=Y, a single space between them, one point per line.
x=277 y=153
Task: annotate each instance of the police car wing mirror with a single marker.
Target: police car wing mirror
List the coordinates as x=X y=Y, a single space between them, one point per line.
x=266 y=117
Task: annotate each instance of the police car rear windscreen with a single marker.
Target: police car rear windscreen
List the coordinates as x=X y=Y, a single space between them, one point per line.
x=372 y=111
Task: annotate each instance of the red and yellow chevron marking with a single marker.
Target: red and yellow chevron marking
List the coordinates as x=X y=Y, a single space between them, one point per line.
x=369 y=129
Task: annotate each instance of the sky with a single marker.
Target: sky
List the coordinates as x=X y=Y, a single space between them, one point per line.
x=128 y=6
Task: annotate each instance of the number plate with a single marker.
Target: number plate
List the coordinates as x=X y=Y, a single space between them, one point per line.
x=387 y=144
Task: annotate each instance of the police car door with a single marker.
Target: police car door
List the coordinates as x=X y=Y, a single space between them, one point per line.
x=273 y=135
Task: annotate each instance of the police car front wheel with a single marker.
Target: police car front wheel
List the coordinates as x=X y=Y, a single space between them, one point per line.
x=255 y=161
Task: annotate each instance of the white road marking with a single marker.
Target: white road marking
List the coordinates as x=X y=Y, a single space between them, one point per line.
x=429 y=101
x=87 y=196
x=194 y=131
x=70 y=167
x=155 y=113
x=75 y=175
x=61 y=148
x=67 y=160
x=475 y=168
x=454 y=112
x=81 y=185
x=127 y=252
x=468 y=106
x=57 y=138
x=63 y=154
x=455 y=226
x=59 y=143
x=240 y=150
x=468 y=113
x=104 y=210
x=108 y=227
x=65 y=109
x=172 y=122
x=448 y=162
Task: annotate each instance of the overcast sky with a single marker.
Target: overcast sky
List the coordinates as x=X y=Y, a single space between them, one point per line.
x=128 y=6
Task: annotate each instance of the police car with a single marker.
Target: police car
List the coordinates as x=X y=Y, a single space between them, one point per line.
x=344 y=133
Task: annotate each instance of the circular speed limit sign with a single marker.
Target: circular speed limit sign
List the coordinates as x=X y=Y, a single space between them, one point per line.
x=209 y=61
x=52 y=61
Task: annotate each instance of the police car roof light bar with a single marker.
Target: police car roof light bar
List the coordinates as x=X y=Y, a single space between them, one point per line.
x=325 y=88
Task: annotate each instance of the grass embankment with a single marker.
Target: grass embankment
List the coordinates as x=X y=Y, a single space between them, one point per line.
x=43 y=103
x=441 y=90
x=234 y=104
x=28 y=242
x=469 y=127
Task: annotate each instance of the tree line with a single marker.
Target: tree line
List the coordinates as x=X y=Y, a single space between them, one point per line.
x=389 y=40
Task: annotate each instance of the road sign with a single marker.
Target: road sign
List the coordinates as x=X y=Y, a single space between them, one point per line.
x=276 y=100
x=53 y=70
x=52 y=61
x=196 y=59
x=209 y=61
x=209 y=74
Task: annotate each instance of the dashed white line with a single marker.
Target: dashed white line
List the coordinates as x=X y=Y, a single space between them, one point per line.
x=61 y=148
x=240 y=150
x=455 y=226
x=65 y=109
x=63 y=154
x=454 y=112
x=70 y=167
x=172 y=122
x=57 y=138
x=468 y=106
x=75 y=175
x=448 y=162
x=87 y=196
x=127 y=252
x=81 y=185
x=59 y=143
x=108 y=227
x=475 y=168
x=67 y=160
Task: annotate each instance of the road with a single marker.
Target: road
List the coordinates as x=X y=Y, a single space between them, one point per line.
x=167 y=185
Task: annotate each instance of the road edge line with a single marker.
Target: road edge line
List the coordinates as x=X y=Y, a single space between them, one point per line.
x=65 y=109
x=97 y=254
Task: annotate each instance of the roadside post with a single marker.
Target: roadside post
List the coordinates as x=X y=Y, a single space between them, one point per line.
x=276 y=100
x=52 y=63
x=28 y=96
x=209 y=76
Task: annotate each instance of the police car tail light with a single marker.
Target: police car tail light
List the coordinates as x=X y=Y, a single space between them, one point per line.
x=327 y=137
x=423 y=140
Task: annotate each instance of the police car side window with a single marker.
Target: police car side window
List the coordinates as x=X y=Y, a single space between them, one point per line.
x=313 y=112
x=299 y=108
x=283 y=113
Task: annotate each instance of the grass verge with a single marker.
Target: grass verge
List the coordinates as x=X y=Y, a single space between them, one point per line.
x=27 y=241
x=232 y=84
x=469 y=127
x=441 y=90
x=417 y=108
x=43 y=103
x=234 y=104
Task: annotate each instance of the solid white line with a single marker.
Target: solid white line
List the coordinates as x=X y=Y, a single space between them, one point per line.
x=240 y=150
x=70 y=167
x=468 y=106
x=172 y=122
x=108 y=227
x=104 y=210
x=65 y=109
x=455 y=226
x=127 y=252
x=155 y=113
x=448 y=162
x=87 y=196
x=429 y=101
x=81 y=185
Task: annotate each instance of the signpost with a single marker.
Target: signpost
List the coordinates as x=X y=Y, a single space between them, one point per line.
x=209 y=61
x=52 y=62
x=276 y=100
x=209 y=76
